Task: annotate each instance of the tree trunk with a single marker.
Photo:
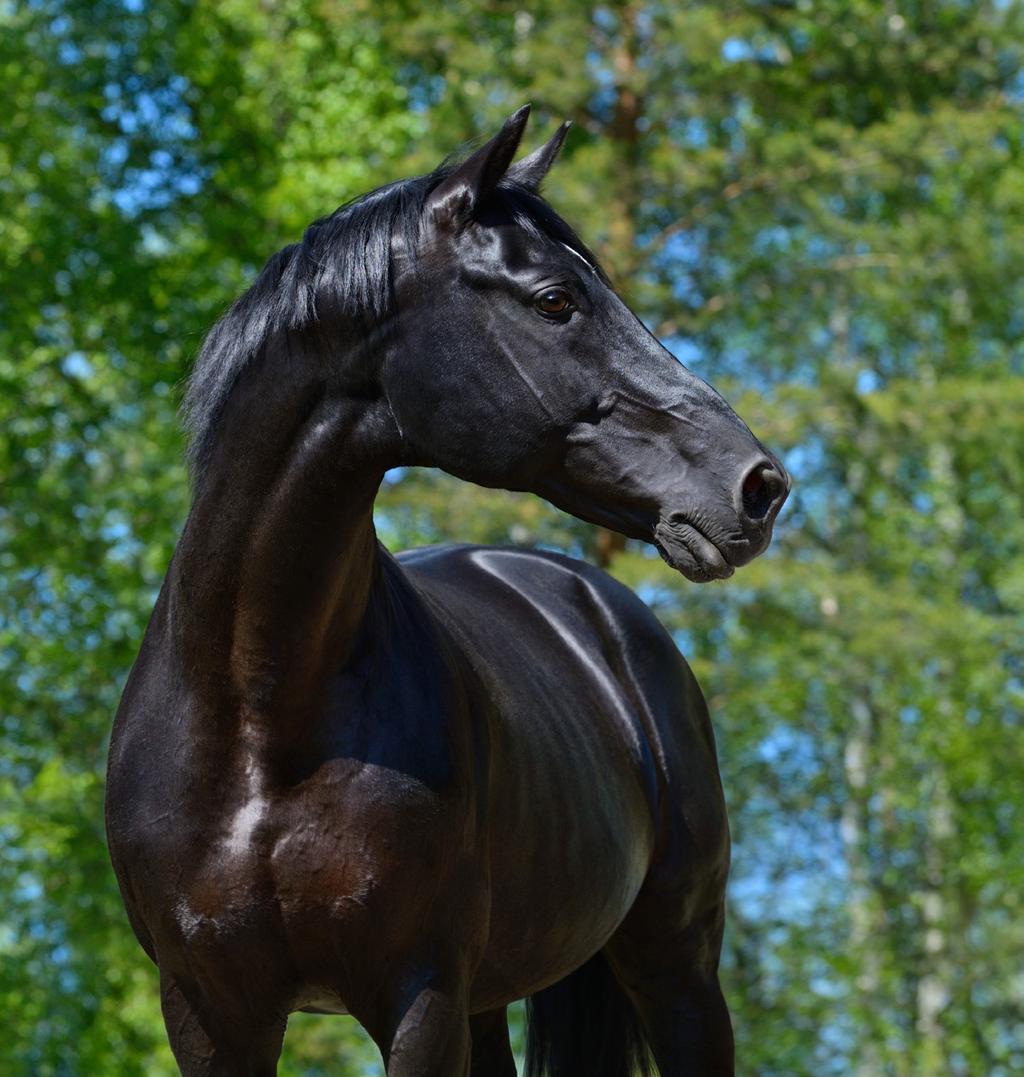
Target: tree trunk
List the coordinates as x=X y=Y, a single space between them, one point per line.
x=863 y=912
x=624 y=131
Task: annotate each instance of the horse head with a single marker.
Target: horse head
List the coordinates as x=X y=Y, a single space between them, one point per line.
x=515 y=364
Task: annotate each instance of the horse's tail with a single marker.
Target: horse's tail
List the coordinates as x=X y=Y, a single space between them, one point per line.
x=584 y=1026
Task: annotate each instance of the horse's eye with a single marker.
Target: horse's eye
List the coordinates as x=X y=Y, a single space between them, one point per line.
x=553 y=301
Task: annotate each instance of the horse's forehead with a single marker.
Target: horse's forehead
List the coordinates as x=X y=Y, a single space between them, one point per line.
x=508 y=246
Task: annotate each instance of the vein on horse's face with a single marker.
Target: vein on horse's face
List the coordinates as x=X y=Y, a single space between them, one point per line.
x=520 y=369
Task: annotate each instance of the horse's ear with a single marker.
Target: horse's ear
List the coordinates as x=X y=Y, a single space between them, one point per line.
x=531 y=170
x=452 y=202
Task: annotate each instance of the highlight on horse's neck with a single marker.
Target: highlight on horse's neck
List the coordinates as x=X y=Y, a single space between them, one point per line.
x=278 y=558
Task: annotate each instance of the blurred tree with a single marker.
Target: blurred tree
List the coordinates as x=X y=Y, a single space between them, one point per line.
x=812 y=203
x=154 y=157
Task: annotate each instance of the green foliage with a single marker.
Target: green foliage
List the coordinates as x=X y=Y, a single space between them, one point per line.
x=816 y=204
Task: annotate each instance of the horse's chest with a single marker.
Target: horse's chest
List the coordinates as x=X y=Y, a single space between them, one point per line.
x=307 y=842
x=314 y=865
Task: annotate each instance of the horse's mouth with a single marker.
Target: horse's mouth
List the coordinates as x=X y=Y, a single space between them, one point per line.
x=690 y=551
x=681 y=544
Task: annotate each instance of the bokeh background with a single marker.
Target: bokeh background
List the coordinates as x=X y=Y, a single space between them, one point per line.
x=818 y=206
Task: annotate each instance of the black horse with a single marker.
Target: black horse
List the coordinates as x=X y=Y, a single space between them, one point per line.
x=417 y=790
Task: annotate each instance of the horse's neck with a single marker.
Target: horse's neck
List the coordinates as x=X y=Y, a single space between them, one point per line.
x=278 y=560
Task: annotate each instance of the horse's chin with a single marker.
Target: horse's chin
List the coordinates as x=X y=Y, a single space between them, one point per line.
x=633 y=522
x=690 y=552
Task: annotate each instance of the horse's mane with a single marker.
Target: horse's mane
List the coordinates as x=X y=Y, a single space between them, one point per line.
x=342 y=265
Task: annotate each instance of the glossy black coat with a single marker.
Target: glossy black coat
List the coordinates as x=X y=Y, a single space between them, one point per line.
x=417 y=790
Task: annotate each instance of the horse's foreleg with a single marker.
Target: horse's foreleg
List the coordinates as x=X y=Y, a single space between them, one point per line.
x=430 y=1037
x=687 y=1026
x=672 y=980
x=492 y=1053
x=213 y=1045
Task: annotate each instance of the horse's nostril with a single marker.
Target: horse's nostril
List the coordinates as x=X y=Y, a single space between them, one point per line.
x=762 y=488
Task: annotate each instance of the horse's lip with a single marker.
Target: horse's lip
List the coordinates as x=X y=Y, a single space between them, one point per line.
x=690 y=551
